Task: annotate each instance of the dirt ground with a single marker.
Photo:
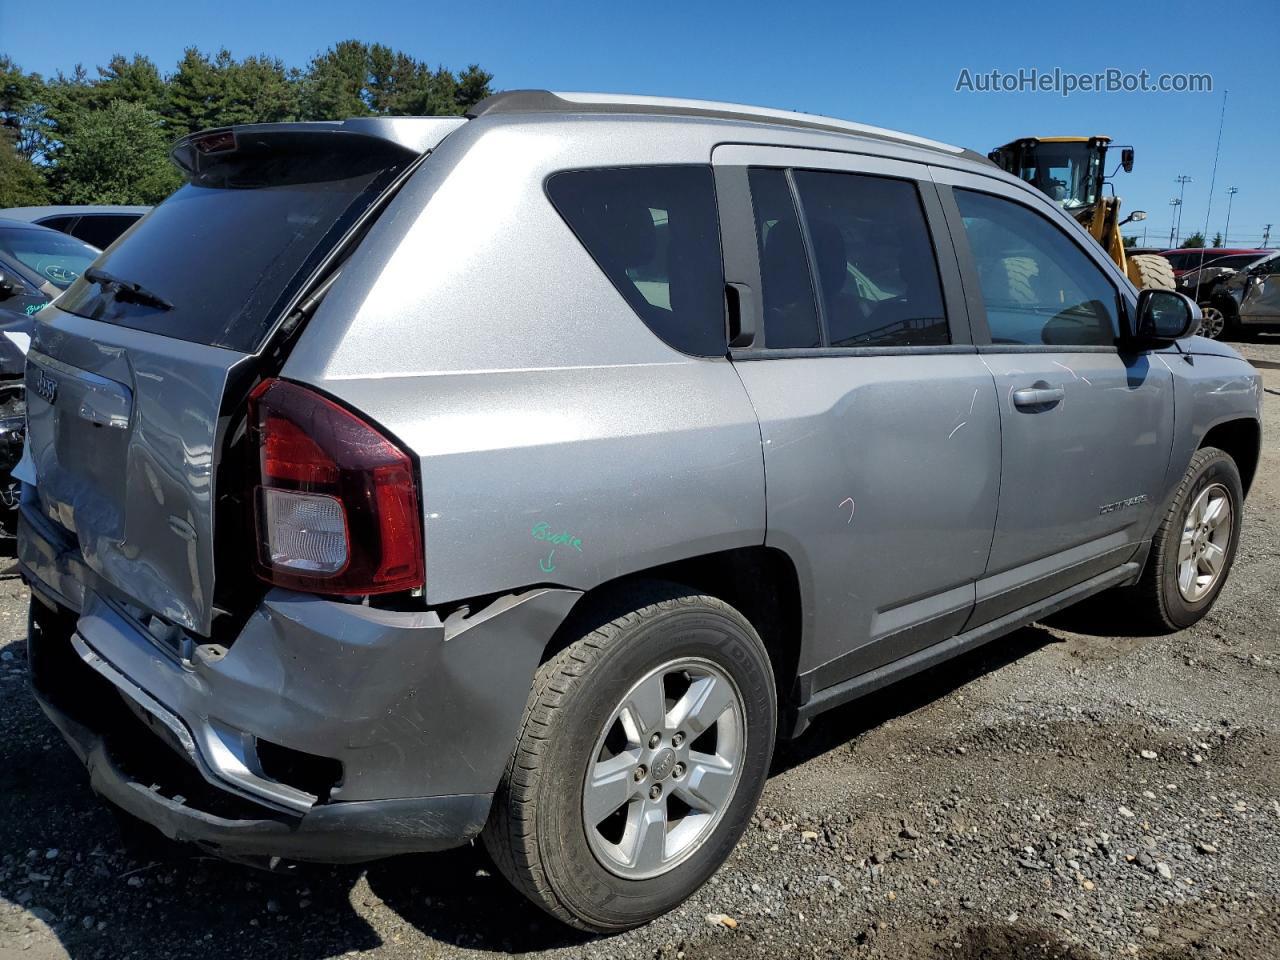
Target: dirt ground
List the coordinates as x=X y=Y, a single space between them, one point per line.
x=1061 y=793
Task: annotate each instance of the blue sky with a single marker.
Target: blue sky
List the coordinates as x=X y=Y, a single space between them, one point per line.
x=889 y=64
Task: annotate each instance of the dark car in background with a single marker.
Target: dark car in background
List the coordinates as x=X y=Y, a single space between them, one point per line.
x=36 y=264
x=1191 y=258
x=1201 y=283
x=97 y=225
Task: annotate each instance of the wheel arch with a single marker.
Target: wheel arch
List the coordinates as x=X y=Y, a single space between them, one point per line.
x=760 y=582
x=1241 y=439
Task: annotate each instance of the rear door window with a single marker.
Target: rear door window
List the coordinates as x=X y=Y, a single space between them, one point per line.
x=655 y=234
x=790 y=313
x=877 y=273
x=230 y=248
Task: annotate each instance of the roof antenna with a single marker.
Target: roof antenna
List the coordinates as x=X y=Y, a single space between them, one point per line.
x=1213 y=177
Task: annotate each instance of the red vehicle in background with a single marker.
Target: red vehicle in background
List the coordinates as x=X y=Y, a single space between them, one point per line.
x=1189 y=258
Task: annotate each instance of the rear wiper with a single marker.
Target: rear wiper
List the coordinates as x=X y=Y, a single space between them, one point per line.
x=126 y=290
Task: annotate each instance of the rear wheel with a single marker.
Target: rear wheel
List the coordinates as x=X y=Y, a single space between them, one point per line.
x=645 y=747
x=1149 y=271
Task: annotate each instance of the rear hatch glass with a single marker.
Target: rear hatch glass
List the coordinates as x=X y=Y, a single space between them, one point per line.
x=128 y=371
x=230 y=247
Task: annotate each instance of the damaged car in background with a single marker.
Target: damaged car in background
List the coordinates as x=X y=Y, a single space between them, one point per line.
x=36 y=264
x=524 y=476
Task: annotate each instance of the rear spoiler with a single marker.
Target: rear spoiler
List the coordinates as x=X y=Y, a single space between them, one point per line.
x=413 y=135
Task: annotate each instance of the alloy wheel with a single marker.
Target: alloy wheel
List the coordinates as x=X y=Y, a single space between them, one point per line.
x=1212 y=322
x=1206 y=536
x=664 y=769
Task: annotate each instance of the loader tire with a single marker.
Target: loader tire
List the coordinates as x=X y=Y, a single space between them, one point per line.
x=1150 y=271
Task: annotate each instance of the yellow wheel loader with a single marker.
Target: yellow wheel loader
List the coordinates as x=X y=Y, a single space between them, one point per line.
x=1072 y=172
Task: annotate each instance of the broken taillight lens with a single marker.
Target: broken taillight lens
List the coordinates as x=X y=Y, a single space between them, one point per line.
x=336 y=502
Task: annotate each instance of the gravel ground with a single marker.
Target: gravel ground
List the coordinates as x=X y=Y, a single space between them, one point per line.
x=1060 y=793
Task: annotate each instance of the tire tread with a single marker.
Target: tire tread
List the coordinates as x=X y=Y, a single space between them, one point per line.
x=510 y=836
x=1152 y=609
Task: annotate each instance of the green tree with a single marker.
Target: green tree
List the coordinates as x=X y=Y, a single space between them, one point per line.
x=1195 y=240
x=119 y=154
x=196 y=92
x=220 y=92
x=21 y=108
x=336 y=83
x=21 y=184
x=1217 y=240
x=258 y=90
x=135 y=81
x=1130 y=242
x=353 y=79
x=473 y=86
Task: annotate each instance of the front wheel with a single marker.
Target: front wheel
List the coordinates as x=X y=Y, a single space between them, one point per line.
x=645 y=746
x=1195 y=545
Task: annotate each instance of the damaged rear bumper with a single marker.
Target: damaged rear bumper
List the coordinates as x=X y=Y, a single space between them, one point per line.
x=326 y=731
x=332 y=833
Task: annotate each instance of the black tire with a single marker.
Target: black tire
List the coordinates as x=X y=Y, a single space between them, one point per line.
x=536 y=834
x=1150 y=271
x=1157 y=603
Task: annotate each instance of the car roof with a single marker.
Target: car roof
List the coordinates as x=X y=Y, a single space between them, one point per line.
x=545 y=102
x=31 y=214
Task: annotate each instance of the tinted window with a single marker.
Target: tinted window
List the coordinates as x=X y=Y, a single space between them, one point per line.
x=231 y=247
x=790 y=314
x=101 y=229
x=52 y=256
x=57 y=223
x=876 y=269
x=654 y=233
x=1038 y=286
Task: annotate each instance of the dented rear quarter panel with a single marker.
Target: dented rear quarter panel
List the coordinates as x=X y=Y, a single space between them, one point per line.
x=559 y=440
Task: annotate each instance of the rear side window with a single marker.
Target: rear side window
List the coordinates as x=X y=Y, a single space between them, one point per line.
x=655 y=234
x=229 y=249
x=876 y=270
x=101 y=229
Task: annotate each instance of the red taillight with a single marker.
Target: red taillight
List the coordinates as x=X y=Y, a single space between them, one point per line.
x=336 y=504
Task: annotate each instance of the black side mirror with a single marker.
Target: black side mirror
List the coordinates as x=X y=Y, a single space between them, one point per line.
x=1165 y=315
x=1126 y=159
x=7 y=288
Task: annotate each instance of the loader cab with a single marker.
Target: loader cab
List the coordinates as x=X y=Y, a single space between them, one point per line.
x=1069 y=170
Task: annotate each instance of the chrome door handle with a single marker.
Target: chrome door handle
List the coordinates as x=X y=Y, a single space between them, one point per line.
x=1038 y=396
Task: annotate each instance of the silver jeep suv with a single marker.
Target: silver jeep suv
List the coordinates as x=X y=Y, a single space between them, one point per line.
x=526 y=475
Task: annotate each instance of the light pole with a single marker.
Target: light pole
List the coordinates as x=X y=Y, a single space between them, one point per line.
x=1226 y=231
x=1173 y=226
x=1183 y=180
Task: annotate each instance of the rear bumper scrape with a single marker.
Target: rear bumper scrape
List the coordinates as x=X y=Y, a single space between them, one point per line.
x=333 y=833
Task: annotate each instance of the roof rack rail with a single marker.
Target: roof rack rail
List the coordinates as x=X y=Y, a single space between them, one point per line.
x=546 y=101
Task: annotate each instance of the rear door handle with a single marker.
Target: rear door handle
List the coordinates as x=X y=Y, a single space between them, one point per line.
x=1041 y=395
